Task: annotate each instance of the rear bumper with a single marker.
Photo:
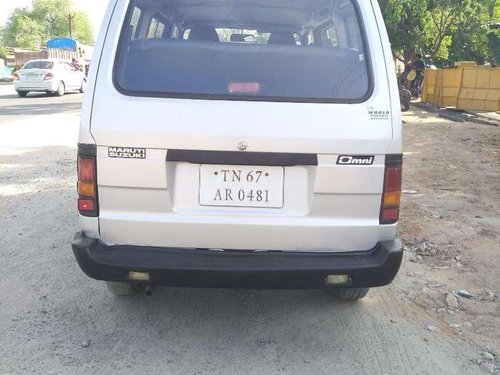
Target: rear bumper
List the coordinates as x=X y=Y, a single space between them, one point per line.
x=36 y=86
x=238 y=269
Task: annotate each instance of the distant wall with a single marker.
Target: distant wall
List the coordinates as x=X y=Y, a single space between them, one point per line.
x=21 y=57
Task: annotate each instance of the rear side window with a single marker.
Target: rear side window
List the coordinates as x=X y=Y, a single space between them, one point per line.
x=39 y=65
x=278 y=50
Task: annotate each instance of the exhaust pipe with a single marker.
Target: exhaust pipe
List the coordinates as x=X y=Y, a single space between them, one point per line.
x=149 y=290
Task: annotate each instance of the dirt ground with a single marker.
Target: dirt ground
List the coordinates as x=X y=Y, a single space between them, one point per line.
x=55 y=320
x=451 y=225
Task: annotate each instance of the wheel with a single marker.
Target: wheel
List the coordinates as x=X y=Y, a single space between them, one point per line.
x=83 y=86
x=61 y=89
x=351 y=294
x=22 y=94
x=120 y=289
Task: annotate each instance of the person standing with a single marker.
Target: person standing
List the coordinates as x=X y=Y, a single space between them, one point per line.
x=74 y=63
x=418 y=66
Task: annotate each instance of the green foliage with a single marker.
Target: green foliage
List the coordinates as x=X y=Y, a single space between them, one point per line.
x=2 y=47
x=441 y=29
x=494 y=46
x=22 y=30
x=82 y=28
x=46 y=19
x=406 y=26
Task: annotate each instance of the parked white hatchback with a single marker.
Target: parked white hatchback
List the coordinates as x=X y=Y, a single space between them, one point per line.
x=242 y=144
x=51 y=76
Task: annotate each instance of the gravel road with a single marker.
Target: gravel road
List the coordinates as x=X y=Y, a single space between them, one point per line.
x=55 y=320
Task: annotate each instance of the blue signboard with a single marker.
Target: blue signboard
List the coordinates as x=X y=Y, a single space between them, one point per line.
x=62 y=43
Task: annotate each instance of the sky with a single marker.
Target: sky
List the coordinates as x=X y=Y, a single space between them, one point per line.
x=94 y=8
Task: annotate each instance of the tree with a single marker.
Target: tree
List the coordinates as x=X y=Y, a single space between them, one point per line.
x=82 y=28
x=46 y=19
x=441 y=28
x=405 y=24
x=494 y=44
x=22 y=30
x=2 y=47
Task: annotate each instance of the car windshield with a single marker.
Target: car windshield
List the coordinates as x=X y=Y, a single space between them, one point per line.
x=39 y=65
x=285 y=50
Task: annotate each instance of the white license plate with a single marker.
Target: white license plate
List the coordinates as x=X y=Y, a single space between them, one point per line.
x=241 y=186
x=31 y=77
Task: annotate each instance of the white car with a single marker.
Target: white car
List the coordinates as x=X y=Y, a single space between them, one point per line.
x=242 y=144
x=51 y=76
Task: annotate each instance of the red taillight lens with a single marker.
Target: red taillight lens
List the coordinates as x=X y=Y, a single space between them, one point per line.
x=48 y=76
x=87 y=185
x=86 y=205
x=393 y=176
x=15 y=76
x=86 y=170
x=389 y=212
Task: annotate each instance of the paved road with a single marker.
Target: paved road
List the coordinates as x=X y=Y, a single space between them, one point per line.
x=38 y=119
x=48 y=308
x=35 y=104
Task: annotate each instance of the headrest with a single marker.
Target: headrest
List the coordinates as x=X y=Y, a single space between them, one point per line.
x=237 y=38
x=282 y=37
x=203 y=34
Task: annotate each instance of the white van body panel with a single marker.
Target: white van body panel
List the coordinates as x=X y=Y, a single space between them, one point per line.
x=90 y=225
x=152 y=202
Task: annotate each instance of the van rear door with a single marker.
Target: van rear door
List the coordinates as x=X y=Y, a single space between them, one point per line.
x=297 y=96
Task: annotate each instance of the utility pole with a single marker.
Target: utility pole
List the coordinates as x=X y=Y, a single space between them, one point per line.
x=71 y=17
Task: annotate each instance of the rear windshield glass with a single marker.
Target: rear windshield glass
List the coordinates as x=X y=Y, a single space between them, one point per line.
x=305 y=50
x=39 y=65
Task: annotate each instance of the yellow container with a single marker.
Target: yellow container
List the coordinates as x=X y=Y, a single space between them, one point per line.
x=451 y=81
x=468 y=88
x=437 y=88
x=480 y=89
x=492 y=101
x=429 y=85
x=463 y=64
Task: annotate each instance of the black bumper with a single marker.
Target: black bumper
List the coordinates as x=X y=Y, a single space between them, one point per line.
x=237 y=269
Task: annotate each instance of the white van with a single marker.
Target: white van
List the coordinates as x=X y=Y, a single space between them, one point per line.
x=242 y=144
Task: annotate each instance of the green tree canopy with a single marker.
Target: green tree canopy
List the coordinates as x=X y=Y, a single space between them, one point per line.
x=442 y=29
x=46 y=19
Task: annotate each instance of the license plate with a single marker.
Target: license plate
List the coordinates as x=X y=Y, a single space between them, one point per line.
x=241 y=186
x=31 y=77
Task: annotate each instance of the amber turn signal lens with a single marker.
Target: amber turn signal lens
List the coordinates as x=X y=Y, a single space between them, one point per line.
x=85 y=189
x=392 y=199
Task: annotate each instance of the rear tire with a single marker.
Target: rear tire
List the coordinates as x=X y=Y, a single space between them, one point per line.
x=83 y=86
x=351 y=294
x=22 y=94
x=61 y=90
x=120 y=289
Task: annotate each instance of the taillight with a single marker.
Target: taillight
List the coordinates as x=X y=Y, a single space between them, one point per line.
x=389 y=212
x=15 y=76
x=48 y=76
x=87 y=181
